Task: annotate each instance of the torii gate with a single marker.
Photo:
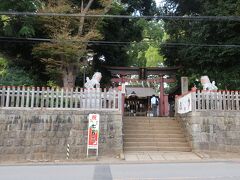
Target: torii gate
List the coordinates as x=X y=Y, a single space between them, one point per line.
x=143 y=74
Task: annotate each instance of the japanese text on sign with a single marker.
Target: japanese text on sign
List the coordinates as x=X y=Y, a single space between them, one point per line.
x=93 y=131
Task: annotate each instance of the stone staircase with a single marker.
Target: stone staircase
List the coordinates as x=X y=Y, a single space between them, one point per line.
x=153 y=134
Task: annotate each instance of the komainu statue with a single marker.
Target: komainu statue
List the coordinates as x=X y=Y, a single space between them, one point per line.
x=94 y=81
x=207 y=85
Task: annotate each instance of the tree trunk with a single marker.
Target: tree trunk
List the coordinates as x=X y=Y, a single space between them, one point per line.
x=69 y=76
x=82 y=19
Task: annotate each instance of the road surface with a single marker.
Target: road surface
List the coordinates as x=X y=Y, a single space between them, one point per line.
x=153 y=171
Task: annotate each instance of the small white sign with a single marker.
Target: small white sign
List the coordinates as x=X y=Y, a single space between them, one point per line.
x=185 y=104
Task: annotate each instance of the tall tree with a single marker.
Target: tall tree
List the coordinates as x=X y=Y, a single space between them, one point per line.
x=220 y=63
x=21 y=26
x=121 y=30
x=145 y=53
x=63 y=55
x=143 y=7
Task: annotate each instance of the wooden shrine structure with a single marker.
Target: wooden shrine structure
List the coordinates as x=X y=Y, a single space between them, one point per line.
x=161 y=72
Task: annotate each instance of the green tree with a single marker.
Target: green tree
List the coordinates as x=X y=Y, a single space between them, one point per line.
x=143 y=7
x=153 y=57
x=145 y=53
x=219 y=63
x=12 y=76
x=21 y=26
x=63 y=55
x=116 y=30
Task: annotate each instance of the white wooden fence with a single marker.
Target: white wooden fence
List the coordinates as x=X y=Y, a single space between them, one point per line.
x=212 y=100
x=78 y=98
x=216 y=100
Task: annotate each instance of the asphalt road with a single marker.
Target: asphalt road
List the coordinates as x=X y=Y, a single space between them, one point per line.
x=161 y=171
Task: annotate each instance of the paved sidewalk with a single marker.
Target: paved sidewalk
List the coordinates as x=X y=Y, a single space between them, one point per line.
x=142 y=157
x=161 y=156
x=218 y=155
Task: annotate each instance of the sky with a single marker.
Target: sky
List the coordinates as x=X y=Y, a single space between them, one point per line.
x=158 y=2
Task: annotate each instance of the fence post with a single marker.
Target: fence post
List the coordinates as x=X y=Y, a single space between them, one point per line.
x=99 y=93
x=110 y=91
x=42 y=96
x=53 y=93
x=219 y=95
x=28 y=94
x=66 y=97
x=23 y=97
x=37 y=97
x=75 y=97
x=82 y=99
x=237 y=100
x=12 y=95
x=32 y=99
x=18 y=97
x=3 y=89
x=114 y=98
x=121 y=102
x=232 y=100
x=47 y=98
x=8 y=96
x=71 y=98
x=193 y=94
x=212 y=100
x=57 y=98
x=62 y=94
x=209 y=100
x=228 y=101
x=176 y=105
x=95 y=97
x=198 y=100
x=105 y=98
x=224 y=100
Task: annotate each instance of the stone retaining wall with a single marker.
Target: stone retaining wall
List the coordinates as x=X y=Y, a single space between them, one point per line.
x=212 y=130
x=43 y=135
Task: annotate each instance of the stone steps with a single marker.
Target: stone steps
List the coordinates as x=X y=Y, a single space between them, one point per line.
x=157 y=144
x=159 y=135
x=154 y=148
x=151 y=126
x=148 y=118
x=150 y=122
x=153 y=134
x=155 y=139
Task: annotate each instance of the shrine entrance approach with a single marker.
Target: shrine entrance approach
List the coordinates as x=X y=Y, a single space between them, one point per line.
x=141 y=98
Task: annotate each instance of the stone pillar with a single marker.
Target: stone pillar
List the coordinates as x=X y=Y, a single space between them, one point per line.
x=184 y=85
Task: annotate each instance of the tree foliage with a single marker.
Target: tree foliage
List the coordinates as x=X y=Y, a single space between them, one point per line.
x=70 y=37
x=145 y=53
x=219 y=63
x=21 y=26
x=12 y=76
x=144 y=7
x=61 y=60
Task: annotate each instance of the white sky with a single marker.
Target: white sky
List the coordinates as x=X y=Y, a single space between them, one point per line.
x=158 y=2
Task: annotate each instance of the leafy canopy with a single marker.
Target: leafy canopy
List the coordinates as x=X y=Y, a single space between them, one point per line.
x=219 y=63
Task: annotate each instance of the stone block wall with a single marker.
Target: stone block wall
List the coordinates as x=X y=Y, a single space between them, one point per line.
x=43 y=135
x=212 y=130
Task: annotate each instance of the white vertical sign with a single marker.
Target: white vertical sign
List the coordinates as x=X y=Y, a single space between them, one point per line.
x=185 y=104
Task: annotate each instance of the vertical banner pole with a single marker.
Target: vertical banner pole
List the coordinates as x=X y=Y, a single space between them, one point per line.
x=93 y=132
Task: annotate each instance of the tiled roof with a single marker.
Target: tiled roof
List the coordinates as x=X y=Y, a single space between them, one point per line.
x=141 y=91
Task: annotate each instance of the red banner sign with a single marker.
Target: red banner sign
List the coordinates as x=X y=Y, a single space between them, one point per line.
x=93 y=131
